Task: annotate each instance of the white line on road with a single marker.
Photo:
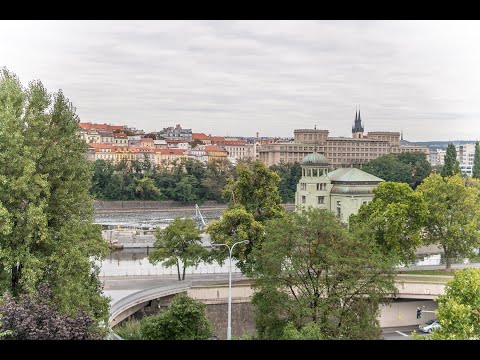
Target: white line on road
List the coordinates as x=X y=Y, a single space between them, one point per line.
x=399 y=332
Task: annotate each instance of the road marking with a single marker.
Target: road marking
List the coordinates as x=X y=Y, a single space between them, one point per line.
x=399 y=332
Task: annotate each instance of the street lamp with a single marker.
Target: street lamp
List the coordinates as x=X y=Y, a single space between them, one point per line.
x=229 y=326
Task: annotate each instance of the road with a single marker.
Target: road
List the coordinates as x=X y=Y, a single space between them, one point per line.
x=401 y=333
x=145 y=282
x=439 y=267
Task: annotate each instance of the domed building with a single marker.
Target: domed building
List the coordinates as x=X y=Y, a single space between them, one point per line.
x=342 y=191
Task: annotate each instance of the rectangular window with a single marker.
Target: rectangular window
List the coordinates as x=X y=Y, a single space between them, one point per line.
x=321 y=199
x=303 y=199
x=303 y=186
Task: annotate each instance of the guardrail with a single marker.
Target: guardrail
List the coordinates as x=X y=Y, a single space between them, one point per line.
x=140 y=297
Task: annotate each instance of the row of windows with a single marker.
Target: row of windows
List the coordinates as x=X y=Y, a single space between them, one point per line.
x=320 y=186
x=314 y=172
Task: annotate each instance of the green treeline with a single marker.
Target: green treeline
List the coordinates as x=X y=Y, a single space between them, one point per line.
x=186 y=180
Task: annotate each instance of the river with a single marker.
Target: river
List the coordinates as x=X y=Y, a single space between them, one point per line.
x=134 y=261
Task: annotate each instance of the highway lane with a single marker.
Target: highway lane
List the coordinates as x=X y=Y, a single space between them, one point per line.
x=401 y=333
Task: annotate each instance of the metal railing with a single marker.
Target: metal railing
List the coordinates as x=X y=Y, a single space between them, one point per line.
x=146 y=295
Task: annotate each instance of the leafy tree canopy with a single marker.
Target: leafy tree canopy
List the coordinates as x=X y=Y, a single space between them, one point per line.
x=453 y=215
x=451 y=164
x=46 y=211
x=458 y=309
x=178 y=244
x=184 y=319
x=394 y=219
x=311 y=270
x=410 y=168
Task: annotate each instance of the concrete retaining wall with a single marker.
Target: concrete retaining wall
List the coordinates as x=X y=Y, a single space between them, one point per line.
x=133 y=205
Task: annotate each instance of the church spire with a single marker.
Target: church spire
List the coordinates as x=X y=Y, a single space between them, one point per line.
x=357 y=126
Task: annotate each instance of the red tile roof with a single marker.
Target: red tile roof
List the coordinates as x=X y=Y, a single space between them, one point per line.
x=200 y=136
x=176 y=141
x=217 y=139
x=90 y=126
x=170 y=151
x=120 y=135
x=98 y=146
x=211 y=148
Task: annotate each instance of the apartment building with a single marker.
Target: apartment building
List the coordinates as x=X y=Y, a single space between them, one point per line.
x=340 y=151
x=437 y=156
x=176 y=133
x=239 y=150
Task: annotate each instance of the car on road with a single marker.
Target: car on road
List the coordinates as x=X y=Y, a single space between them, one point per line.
x=429 y=326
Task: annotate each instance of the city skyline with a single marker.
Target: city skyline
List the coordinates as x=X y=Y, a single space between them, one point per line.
x=242 y=77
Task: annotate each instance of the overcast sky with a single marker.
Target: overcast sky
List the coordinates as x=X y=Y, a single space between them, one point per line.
x=240 y=77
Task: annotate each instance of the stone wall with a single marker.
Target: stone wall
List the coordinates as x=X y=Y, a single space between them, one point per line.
x=243 y=319
x=145 y=204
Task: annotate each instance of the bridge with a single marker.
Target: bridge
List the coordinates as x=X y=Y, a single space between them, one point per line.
x=413 y=291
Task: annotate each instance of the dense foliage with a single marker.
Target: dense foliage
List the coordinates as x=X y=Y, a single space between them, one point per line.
x=453 y=215
x=254 y=199
x=458 y=310
x=476 y=162
x=184 y=319
x=179 y=244
x=290 y=174
x=186 y=180
x=47 y=234
x=410 y=168
x=311 y=270
x=36 y=317
x=451 y=165
x=394 y=219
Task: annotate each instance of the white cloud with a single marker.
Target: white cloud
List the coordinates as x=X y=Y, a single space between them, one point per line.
x=240 y=77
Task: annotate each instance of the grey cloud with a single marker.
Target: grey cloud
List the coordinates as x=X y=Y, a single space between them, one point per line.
x=239 y=77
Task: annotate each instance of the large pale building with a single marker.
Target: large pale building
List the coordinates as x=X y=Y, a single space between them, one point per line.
x=342 y=191
x=340 y=151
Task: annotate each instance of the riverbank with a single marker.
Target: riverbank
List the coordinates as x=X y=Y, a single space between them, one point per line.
x=161 y=206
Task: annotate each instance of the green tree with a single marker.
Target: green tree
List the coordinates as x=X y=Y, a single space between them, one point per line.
x=185 y=190
x=254 y=199
x=184 y=319
x=476 y=162
x=196 y=142
x=389 y=168
x=458 y=310
x=235 y=225
x=146 y=189
x=178 y=244
x=451 y=164
x=48 y=230
x=290 y=174
x=419 y=165
x=256 y=189
x=102 y=174
x=394 y=219
x=146 y=164
x=310 y=331
x=311 y=270
x=453 y=219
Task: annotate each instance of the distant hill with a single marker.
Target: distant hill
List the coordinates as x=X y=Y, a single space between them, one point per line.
x=443 y=144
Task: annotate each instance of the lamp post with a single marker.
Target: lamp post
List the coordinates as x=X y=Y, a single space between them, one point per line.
x=229 y=326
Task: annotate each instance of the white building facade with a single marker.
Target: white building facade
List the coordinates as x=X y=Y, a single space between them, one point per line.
x=342 y=191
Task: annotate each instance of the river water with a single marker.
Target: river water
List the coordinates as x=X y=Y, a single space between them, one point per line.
x=134 y=261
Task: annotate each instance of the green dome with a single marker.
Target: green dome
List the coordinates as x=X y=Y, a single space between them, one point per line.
x=315 y=159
